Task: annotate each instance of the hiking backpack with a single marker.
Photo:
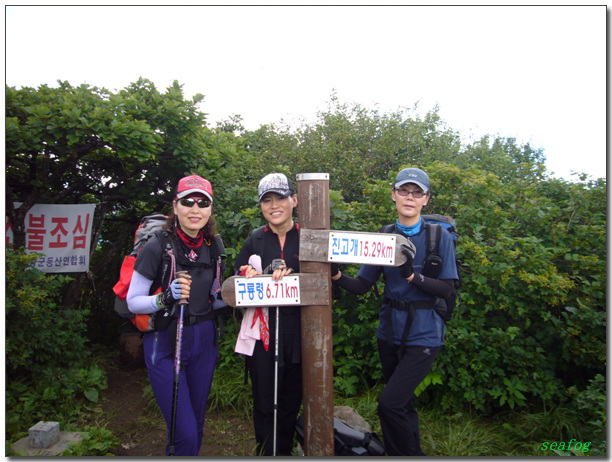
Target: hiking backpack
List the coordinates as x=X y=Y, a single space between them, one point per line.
x=433 y=261
x=153 y=225
x=347 y=440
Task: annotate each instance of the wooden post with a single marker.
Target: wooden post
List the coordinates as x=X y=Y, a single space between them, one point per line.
x=317 y=347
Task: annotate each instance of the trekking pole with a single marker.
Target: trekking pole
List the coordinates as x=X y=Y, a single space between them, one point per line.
x=177 y=364
x=275 y=381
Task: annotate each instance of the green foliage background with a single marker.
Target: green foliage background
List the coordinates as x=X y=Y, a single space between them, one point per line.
x=530 y=327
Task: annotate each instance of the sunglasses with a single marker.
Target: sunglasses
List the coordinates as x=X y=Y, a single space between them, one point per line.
x=202 y=203
x=416 y=194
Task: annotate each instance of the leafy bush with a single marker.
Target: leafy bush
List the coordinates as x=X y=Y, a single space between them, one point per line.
x=50 y=375
x=97 y=441
x=64 y=397
x=41 y=334
x=591 y=403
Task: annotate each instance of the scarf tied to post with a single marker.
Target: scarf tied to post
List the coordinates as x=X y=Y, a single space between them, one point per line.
x=254 y=322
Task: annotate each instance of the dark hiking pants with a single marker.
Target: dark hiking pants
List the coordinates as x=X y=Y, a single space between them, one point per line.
x=399 y=419
x=261 y=369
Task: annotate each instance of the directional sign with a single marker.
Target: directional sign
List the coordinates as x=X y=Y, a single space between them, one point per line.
x=294 y=289
x=266 y=291
x=380 y=249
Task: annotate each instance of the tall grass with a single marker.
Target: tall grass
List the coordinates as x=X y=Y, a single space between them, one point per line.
x=230 y=394
x=469 y=434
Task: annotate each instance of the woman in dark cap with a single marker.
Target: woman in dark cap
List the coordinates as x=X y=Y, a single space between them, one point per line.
x=410 y=332
x=277 y=240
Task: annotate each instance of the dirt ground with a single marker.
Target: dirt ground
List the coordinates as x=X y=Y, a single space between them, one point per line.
x=142 y=433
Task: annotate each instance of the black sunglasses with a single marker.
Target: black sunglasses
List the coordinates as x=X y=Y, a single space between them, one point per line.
x=202 y=203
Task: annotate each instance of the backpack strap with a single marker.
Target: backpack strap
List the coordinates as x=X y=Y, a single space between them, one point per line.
x=218 y=254
x=218 y=248
x=388 y=228
x=434 y=234
x=433 y=260
x=167 y=270
x=258 y=242
x=410 y=307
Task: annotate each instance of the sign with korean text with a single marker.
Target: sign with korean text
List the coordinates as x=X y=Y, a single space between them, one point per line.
x=61 y=233
x=352 y=247
x=264 y=291
x=293 y=290
x=362 y=248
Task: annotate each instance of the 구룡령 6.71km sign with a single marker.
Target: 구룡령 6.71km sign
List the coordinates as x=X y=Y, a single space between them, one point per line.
x=294 y=289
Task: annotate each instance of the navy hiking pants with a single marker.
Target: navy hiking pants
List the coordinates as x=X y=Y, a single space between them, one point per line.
x=198 y=357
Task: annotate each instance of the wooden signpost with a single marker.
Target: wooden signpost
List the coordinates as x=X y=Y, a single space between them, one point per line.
x=311 y=289
x=317 y=345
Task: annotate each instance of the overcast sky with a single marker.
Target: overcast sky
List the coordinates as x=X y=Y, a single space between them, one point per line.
x=536 y=73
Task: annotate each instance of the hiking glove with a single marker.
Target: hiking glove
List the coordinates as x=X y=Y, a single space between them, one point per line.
x=406 y=268
x=172 y=293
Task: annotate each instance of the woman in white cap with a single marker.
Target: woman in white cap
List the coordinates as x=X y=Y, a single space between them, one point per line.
x=189 y=241
x=274 y=249
x=410 y=332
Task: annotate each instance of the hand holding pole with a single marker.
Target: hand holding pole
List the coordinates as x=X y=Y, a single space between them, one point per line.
x=183 y=274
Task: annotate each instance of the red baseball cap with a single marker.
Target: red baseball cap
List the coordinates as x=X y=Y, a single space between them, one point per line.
x=194 y=184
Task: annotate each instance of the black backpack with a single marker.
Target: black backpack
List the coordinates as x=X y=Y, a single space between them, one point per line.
x=347 y=440
x=433 y=261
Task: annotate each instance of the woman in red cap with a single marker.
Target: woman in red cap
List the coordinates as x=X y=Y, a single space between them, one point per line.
x=189 y=239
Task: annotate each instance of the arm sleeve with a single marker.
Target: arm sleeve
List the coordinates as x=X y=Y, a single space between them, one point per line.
x=442 y=288
x=356 y=285
x=138 y=299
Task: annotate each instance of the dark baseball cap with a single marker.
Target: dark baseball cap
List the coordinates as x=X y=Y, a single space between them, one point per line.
x=413 y=175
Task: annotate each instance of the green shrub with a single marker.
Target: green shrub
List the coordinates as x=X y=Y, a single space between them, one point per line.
x=41 y=335
x=50 y=375
x=97 y=441
x=591 y=403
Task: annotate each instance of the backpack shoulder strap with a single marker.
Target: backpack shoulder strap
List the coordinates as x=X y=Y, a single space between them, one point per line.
x=217 y=247
x=434 y=234
x=259 y=232
x=165 y=241
x=163 y=236
x=258 y=244
x=387 y=228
